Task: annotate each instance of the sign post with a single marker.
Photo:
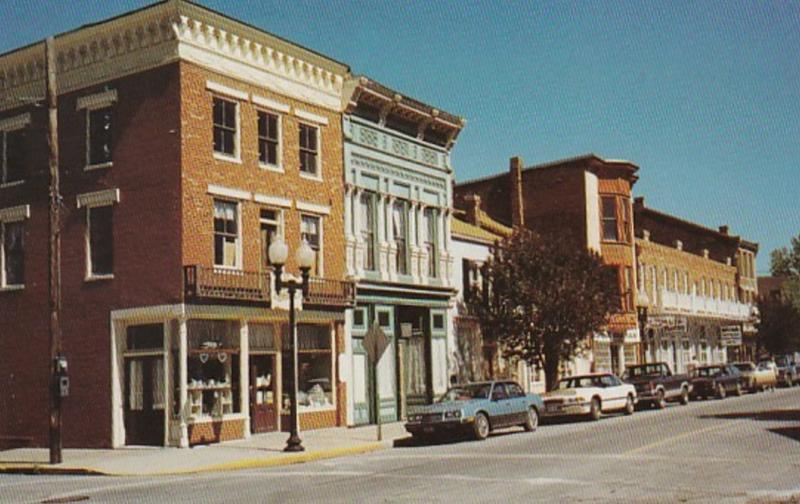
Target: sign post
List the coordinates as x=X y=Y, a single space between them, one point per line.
x=375 y=343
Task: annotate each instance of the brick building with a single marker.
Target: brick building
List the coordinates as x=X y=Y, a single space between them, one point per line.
x=696 y=285
x=188 y=140
x=588 y=198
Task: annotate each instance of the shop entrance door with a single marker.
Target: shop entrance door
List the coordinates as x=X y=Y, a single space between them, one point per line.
x=263 y=393
x=144 y=400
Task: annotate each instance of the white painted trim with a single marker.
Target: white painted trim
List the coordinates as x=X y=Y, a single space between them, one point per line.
x=272 y=200
x=277 y=106
x=310 y=116
x=97 y=100
x=222 y=89
x=98 y=198
x=227 y=192
x=15 y=123
x=314 y=208
x=15 y=213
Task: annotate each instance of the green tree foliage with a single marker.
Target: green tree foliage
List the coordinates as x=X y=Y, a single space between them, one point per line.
x=786 y=263
x=779 y=327
x=542 y=297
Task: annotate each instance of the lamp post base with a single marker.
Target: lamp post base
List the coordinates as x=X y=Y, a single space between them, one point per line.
x=294 y=444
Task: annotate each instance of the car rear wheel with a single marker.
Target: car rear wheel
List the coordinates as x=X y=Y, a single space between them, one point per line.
x=481 y=427
x=721 y=392
x=738 y=390
x=661 y=400
x=629 y=406
x=789 y=381
x=594 y=409
x=531 y=420
x=684 y=396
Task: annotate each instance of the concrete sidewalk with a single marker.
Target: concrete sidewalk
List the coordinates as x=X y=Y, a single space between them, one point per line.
x=261 y=450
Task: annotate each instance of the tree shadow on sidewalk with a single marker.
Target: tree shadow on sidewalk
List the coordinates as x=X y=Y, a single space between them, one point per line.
x=782 y=415
x=414 y=442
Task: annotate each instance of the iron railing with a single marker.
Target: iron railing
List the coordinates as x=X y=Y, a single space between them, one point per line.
x=202 y=282
x=324 y=291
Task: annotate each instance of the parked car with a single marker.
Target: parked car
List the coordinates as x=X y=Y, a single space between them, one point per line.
x=716 y=380
x=590 y=395
x=787 y=370
x=477 y=409
x=655 y=384
x=759 y=377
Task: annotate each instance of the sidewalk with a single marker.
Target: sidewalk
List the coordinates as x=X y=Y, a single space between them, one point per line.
x=261 y=450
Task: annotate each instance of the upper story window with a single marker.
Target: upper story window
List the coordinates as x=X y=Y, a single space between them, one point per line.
x=269 y=139
x=271 y=226
x=12 y=156
x=227 y=239
x=98 y=136
x=12 y=256
x=625 y=212
x=311 y=232
x=100 y=241
x=400 y=232
x=610 y=226
x=430 y=215
x=309 y=149
x=226 y=127
x=366 y=206
x=627 y=288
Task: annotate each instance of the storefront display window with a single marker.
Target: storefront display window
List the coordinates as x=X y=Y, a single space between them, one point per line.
x=213 y=368
x=315 y=378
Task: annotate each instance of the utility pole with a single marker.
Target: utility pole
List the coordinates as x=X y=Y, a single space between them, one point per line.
x=55 y=254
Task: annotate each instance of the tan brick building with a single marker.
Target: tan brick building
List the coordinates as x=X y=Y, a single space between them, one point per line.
x=589 y=198
x=187 y=140
x=693 y=284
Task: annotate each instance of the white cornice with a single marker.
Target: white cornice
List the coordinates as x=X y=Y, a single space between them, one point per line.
x=272 y=200
x=98 y=198
x=310 y=116
x=98 y=100
x=16 y=213
x=166 y=33
x=15 y=123
x=270 y=104
x=227 y=192
x=314 y=208
x=222 y=89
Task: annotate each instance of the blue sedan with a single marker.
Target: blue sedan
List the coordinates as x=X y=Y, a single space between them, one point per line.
x=477 y=409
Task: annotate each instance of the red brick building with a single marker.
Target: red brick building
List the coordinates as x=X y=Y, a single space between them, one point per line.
x=589 y=198
x=188 y=140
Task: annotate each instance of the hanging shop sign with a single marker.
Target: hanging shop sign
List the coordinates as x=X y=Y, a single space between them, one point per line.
x=730 y=335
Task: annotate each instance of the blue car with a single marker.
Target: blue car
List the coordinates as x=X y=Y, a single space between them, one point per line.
x=477 y=409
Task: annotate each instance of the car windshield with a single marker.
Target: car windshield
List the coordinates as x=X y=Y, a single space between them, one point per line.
x=467 y=392
x=579 y=382
x=744 y=366
x=646 y=370
x=708 y=372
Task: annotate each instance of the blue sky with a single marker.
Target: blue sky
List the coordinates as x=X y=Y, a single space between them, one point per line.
x=704 y=96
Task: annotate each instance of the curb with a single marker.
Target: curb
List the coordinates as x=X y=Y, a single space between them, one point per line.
x=253 y=463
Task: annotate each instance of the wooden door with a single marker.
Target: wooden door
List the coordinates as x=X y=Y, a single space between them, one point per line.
x=263 y=393
x=144 y=400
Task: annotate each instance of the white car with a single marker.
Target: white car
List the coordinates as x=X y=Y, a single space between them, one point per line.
x=590 y=395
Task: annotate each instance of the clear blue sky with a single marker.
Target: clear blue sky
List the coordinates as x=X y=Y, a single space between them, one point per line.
x=704 y=96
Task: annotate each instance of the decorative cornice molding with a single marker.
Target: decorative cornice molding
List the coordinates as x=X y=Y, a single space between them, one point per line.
x=222 y=89
x=310 y=116
x=97 y=100
x=15 y=123
x=227 y=192
x=305 y=206
x=277 y=106
x=98 y=198
x=15 y=213
x=272 y=200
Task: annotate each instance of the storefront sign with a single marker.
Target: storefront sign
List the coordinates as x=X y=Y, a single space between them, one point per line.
x=730 y=335
x=668 y=322
x=632 y=336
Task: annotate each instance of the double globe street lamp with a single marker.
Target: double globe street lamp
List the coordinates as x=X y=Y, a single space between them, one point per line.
x=278 y=253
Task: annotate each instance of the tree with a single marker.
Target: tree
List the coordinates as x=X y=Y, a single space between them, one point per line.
x=779 y=326
x=786 y=264
x=543 y=296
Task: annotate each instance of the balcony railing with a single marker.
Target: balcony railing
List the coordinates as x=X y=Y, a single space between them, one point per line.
x=235 y=285
x=324 y=291
x=694 y=304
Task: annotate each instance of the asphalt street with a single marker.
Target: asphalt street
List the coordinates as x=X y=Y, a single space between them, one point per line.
x=741 y=449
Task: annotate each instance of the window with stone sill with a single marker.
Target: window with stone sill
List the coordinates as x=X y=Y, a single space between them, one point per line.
x=100 y=241
x=309 y=150
x=226 y=127
x=268 y=139
x=12 y=156
x=99 y=136
x=12 y=255
x=226 y=234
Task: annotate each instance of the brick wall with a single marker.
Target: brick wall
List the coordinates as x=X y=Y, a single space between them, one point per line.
x=146 y=131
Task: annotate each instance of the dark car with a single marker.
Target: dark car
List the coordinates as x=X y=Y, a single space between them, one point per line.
x=477 y=409
x=717 y=380
x=787 y=370
x=655 y=384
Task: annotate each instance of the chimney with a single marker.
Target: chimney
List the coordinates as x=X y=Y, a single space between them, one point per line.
x=473 y=202
x=517 y=207
x=638 y=202
x=724 y=229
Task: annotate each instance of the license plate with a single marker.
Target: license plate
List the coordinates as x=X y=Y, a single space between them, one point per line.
x=553 y=408
x=427 y=430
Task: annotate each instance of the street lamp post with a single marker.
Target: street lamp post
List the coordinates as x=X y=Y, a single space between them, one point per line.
x=642 y=316
x=278 y=252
